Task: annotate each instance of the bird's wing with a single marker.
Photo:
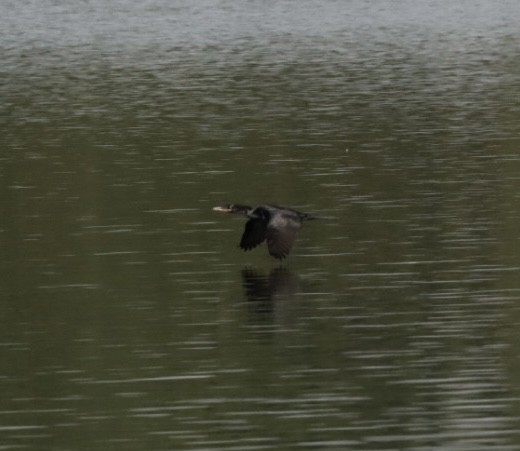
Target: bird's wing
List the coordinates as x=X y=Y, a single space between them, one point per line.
x=280 y=240
x=254 y=234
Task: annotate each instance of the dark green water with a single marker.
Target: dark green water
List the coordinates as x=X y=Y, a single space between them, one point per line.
x=129 y=318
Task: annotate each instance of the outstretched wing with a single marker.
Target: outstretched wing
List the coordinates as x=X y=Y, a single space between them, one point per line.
x=280 y=240
x=254 y=233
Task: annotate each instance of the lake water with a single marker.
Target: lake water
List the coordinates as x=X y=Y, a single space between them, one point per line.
x=129 y=317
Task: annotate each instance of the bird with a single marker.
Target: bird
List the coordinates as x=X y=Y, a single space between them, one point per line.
x=276 y=225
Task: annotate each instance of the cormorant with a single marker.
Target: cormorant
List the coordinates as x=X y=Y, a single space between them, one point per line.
x=277 y=225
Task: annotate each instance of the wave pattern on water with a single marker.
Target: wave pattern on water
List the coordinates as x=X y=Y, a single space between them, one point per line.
x=129 y=316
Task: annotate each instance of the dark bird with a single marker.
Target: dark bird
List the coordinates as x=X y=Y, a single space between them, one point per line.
x=276 y=225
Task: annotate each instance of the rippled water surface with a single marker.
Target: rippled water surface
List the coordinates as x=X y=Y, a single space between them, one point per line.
x=130 y=319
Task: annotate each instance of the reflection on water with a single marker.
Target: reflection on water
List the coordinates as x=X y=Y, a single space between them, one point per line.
x=128 y=317
x=264 y=293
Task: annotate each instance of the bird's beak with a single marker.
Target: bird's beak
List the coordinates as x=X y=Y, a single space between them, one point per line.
x=222 y=209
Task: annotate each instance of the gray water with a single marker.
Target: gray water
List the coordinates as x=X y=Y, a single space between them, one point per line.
x=130 y=319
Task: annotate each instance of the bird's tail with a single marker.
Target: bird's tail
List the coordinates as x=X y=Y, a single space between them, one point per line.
x=311 y=217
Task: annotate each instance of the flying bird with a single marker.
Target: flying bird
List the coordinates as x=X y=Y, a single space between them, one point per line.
x=276 y=225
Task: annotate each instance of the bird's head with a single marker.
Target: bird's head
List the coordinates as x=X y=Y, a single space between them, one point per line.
x=233 y=208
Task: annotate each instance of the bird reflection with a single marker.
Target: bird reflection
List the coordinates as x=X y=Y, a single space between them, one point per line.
x=264 y=292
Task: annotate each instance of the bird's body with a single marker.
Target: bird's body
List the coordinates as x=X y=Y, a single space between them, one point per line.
x=276 y=225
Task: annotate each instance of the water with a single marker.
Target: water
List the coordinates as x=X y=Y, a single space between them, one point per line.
x=129 y=317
